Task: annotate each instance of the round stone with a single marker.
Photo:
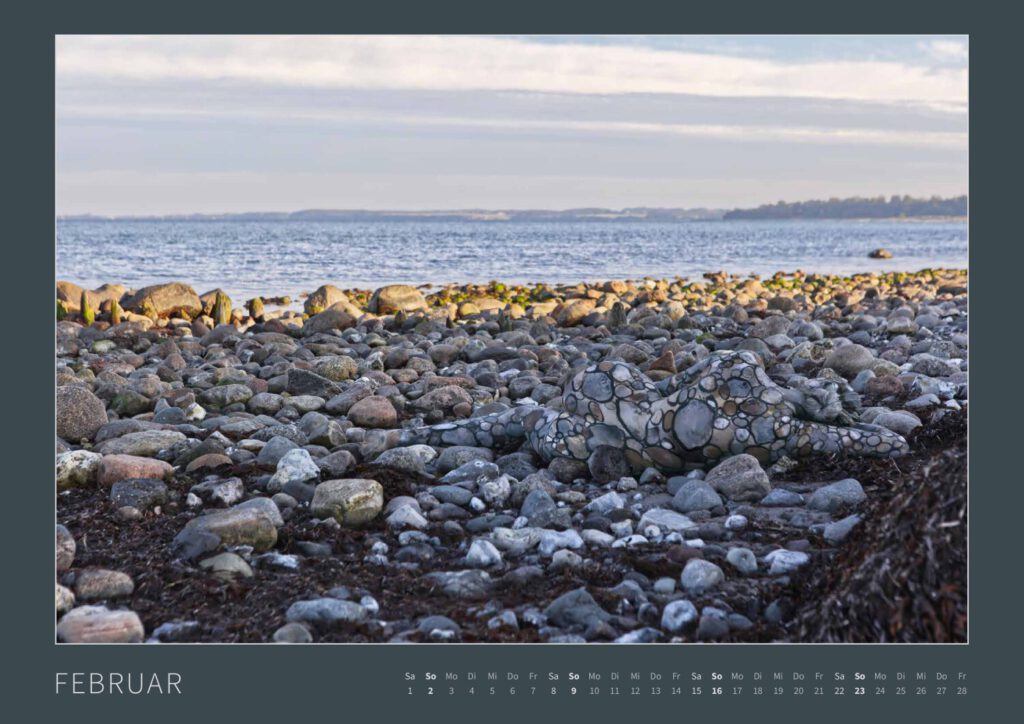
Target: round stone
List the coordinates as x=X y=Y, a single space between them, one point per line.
x=597 y=386
x=693 y=424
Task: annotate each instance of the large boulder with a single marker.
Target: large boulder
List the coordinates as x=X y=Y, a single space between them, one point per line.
x=167 y=300
x=323 y=298
x=80 y=413
x=397 y=298
x=71 y=294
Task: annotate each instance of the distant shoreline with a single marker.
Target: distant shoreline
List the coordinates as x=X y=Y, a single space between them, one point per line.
x=451 y=217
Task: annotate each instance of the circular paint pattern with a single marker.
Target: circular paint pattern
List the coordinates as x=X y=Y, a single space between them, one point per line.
x=724 y=405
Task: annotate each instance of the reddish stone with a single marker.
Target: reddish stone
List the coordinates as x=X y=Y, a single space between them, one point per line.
x=123 y=467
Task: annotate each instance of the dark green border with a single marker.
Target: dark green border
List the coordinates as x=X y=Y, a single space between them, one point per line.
x=263 y=683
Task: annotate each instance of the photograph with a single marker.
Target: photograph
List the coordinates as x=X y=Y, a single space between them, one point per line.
x=511 y=339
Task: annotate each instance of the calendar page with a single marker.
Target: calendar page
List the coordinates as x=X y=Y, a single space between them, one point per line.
x=602 y=364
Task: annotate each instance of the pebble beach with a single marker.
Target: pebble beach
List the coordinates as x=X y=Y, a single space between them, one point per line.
x=240 y=470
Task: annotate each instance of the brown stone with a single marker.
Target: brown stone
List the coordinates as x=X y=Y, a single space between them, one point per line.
x=167 y=300
x=210 y=460
x=397 y=298
x=100 y=625
x=665 y=363
x=123 y=467
x=95 y=584
x=373 y=411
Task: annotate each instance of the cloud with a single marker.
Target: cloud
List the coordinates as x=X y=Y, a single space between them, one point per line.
x=751 y=133
x=469 y=63
x=946 y=50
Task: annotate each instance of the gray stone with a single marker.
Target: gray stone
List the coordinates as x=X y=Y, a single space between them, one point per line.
x=740 y=478
x=402 y=458
x=145 y=443
x=266 y=506
x=714 y=624
x=327 y=320
x=742 y=559
x=668 y=521
x=456 y=456
x=336 y=464
x=693 y=424
x=550 y=541
x=293 y=633
x=830 y=497
x=664 y=586
x=695 y=495
x=141 y=493
x=325 y=613
x=483 y=554
x=406 y=516
x=468 y=584
x=700 y=575
x=236 y=526
x=294 y=466
x=227 y=566
x=541 y=511
x=606 y=503
x=782 y=498
x=850 y=359
x=678 y=615
x=473 y=471
x=428 y=624
x=575 y=609
x=608 y=463
x=221 y=396
x=901 y=422
x=785 y=561
x=497 y=491
x=836 y=532
x=646 y=635
x=454 y=494
x=304 y=382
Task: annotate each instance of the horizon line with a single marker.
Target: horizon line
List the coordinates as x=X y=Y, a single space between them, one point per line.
x=484 y=210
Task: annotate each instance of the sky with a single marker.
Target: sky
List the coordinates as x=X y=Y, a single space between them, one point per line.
x=213 y=124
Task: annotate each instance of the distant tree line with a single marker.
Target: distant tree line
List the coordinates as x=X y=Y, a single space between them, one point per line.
x=856 y=208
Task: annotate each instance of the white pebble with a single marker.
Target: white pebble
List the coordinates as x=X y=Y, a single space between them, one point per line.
x=736 y=522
